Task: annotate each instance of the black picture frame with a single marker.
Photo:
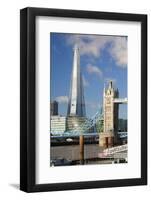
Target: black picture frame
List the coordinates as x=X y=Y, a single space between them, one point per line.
x=28 y=98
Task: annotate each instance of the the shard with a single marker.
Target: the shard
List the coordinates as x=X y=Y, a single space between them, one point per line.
x=76 y=105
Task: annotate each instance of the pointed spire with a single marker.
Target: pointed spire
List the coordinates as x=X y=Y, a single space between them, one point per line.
x=76 y=106
x=76 y=47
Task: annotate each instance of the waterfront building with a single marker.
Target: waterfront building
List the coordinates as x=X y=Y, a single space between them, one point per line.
x=122 y=125
x=75 y=123
x=54 y=108
x=57 y=124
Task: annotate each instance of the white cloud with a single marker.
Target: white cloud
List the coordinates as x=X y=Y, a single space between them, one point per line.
x=85 y=82
x=91 y=69
x=93 y=45
x=89 y=45
x=62 y=99
x=118 y=51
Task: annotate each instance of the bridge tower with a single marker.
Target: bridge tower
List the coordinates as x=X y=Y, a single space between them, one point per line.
x=109 y=136
x=110 y=108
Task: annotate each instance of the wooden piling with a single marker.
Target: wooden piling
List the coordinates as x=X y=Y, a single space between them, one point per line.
x=81 y=143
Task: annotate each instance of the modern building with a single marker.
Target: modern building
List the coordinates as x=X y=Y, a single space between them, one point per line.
x=76 y=105
x=57 y=124
x=54 y=108
x=76 y=114
x=122 y=125
x=75 y=123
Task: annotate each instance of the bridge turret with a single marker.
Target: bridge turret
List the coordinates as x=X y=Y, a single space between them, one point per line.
x=110 y=110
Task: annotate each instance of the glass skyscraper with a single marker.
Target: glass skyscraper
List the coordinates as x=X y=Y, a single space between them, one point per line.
x=76 y=105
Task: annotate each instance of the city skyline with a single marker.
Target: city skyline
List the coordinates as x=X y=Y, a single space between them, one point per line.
x=102 y=58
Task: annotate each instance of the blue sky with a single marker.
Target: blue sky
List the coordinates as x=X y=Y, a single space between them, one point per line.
x=101 y=58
